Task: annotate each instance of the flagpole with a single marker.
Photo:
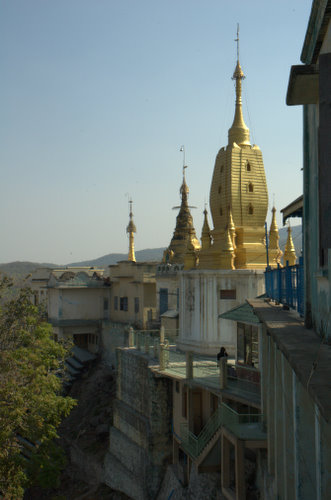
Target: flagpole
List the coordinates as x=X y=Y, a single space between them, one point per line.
x=182 y=149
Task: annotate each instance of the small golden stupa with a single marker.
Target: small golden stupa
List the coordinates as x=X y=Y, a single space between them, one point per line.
x=289 y=254
x=184 y=245
x=131 y=229
x=275 y=252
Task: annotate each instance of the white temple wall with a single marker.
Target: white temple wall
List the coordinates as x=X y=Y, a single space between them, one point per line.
x=205 y=294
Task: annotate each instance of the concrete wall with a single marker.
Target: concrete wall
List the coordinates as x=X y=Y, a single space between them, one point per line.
x=299 y=439
x=113 y=335
x=134 y=281
x=77 y=303
x=178 y=398
x=317 y=276
x=141 y=438
x=201 y=330
x=171 y=283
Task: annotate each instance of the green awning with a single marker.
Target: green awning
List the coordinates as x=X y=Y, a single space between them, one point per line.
x=243 y=313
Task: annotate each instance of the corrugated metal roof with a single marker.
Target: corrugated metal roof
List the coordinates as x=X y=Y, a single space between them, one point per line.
x=243 y=313
x=169 y=314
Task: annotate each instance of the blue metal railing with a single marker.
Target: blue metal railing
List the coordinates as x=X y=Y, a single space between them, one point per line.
x=286 y=285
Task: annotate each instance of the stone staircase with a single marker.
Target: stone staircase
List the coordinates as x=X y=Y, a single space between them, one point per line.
x=77 y=363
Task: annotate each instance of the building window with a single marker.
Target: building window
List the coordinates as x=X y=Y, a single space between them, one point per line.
x=250 y=187
x=213 y=403
x=219 y=189
x=105 y=308
x=177 y=299
x=92 y=339
x=248 y=167
x=136 y=305
x=221 y=211
x=222 y=168
x=250 y=209
x=184 y=402
x=123 y=304
x=247 y=344
x=116 y=303
x=177 y=386
x=163 y=300
x=228 y=294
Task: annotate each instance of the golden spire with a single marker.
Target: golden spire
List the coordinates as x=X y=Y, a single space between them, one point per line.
x=131 y=229
x=205 y=233
x=239 y=132
x=289 y=254
x=273 y=232
x=227 y=253
x=275 y=252
x=184 y=190
x=184 y=234
x=232 y=228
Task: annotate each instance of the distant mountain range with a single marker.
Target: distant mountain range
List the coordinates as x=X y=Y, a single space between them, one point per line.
x=20 y=270
x=147 y=255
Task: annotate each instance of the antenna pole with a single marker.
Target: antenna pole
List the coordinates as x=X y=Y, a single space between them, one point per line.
x=237 y=40
x=182 y=149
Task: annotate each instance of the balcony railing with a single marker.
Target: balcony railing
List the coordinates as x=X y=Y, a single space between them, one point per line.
x=243 y=425
x=285 y=285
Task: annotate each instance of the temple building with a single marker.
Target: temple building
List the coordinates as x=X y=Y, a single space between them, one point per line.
x=184 y=240
x=229 y=266
x=182 y=253
x=238 y=199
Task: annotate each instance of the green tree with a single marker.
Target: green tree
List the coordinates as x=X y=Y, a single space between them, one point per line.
x=31 y=400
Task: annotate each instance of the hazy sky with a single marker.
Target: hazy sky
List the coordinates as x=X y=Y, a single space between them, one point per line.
x=97 y=96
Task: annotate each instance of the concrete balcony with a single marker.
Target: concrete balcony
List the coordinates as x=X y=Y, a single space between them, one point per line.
x=241 y=383
x=248 y=427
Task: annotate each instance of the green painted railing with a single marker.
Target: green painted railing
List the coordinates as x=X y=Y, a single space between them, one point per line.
x=171 y=334
x=194 y=445
x=148 y=341
x=244 y=426
x=205 y=366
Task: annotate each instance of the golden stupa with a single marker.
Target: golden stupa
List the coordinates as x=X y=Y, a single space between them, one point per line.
x=238 y=199
x=131 y=229
x=184 y=245
x=289 y=253
x=275 y=252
